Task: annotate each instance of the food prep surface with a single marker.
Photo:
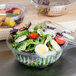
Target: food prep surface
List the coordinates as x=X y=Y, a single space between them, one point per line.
x=34 y=17
x=65 y=66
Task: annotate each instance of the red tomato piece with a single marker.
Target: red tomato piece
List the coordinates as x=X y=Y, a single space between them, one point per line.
x=60 y=40
x=33 y=36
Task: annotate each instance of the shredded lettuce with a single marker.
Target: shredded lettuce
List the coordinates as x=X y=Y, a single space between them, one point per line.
x=21 y=46
x=49 y=38
x=14 y=45
x=40 y=32
x=36 y=28
x=41 y=26
x=20 y=33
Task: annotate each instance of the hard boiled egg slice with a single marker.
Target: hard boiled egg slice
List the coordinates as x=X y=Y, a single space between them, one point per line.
x=20 y=38
x=41 y=50
x=55 y=45
x=52 y=53
x=49 y=53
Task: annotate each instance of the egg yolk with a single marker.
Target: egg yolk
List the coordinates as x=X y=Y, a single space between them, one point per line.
x=41 y=49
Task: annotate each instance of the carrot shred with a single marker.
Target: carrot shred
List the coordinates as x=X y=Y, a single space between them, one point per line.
x=43 y=37
x=27 y=41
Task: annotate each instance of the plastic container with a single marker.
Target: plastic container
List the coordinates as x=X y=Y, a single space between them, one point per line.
x=33 y=60
x=52 y=7
x=11 y=14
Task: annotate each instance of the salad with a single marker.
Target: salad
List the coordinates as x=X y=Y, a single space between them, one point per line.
x=9 y=17
x=39 y=45
x=38 y=40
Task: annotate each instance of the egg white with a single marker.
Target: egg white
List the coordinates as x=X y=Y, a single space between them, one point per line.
x=47 y=52
x=21 y=38
x=55 y=45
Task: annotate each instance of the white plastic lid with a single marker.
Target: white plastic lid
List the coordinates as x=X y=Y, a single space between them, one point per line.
x=68 y=35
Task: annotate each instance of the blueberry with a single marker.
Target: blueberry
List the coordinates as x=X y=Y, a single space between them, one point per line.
x=9 y=11
x=3 y=20
x=18 y=22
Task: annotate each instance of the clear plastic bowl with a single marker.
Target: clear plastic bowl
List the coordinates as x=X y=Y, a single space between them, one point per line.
x=7 y=17
x=52 y=7
x=34 y=60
